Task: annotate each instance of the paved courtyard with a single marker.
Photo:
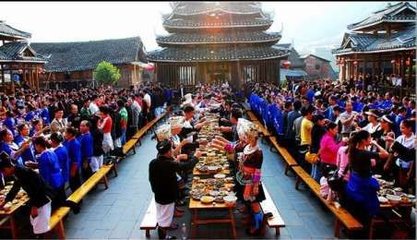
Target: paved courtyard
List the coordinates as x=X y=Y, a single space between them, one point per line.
x=117 y=212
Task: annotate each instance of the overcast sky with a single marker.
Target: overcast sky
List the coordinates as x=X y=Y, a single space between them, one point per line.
x=308 y=25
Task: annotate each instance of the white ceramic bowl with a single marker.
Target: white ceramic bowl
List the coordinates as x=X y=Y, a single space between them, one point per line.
x=230 y=200
x=219 y=176
x=393 y=199
x=382 y=200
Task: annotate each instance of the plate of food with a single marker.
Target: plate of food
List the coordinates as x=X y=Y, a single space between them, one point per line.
x=382 y=199
x=219 y=199
x=220 y=176
x=207 y=199
x=229 y=179
x=214 y=193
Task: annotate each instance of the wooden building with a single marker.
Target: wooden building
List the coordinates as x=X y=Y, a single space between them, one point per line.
x=317 y=67
x=292 y=69
x=381 y=45
x=213 y=42
x=20 y=65
x=71 y=64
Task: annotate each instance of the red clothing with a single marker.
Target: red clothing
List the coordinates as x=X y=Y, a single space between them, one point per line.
x=328 y=149
x=106 y=124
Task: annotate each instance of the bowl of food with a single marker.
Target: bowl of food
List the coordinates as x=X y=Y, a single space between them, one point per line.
x=213 y=169
x=390 y=184
x=206 y=199
x=7 y=206
x=230 y=200
x=382 y=199
x=214 y=193
x=220 y=176
x=219 y=199
x=377 y=176
x=393 y=199
x=411 y=197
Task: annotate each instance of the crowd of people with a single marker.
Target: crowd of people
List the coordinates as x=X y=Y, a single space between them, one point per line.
x=59 y=138
x=328 y=127
x=56 y=138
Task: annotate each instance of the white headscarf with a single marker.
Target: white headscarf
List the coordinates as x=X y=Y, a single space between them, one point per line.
x=246 y=128
x=163 y=132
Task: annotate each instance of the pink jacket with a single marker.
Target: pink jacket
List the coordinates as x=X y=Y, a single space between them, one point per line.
x=342 y=161
x=328 y=149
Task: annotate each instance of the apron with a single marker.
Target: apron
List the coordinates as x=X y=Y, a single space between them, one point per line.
x=40 y=223
x=107 y=143
x=164 y=214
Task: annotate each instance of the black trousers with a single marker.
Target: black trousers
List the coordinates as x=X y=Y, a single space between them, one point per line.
x=75 y=181
x=59 y=198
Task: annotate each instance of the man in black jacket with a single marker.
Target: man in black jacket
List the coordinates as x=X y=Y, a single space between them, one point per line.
x=163 y=180
x=38 y=191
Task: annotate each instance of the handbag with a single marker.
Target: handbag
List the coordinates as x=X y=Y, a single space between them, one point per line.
x=336 y=182
x=312 y=158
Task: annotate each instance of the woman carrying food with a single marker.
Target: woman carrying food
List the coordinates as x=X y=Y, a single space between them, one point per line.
x=248 y=176
x=361 y=190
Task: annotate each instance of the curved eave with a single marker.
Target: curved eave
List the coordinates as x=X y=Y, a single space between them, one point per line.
x=9 y=37
x=350 y=51
x=217 y=9
x=21 y=61
x=219 y=60
x=168 y=26
x=218 y=43
x=373 y=24
x=216 y=57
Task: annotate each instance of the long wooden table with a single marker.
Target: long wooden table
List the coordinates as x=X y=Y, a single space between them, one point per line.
x=8 y=216
x=197 y=206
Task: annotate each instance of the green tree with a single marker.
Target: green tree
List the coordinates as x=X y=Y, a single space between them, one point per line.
x=106 y=73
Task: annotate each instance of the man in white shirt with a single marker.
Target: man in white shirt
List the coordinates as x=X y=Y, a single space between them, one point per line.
x=393 y=80
x=147 y=99
x=93 y=105
x=348 y=117
x=398 y=82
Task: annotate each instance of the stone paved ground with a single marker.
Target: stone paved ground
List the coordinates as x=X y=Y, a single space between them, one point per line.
x=116 y=213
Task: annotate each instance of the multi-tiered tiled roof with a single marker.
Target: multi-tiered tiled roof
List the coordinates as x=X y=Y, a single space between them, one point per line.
x=220 y=38
x=16 y=47
x=370 y=35
x=222 y=31
x=10 y=33
x=18 y=52
x=402 y=12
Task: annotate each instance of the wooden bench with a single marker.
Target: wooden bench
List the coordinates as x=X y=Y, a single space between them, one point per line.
x=149 y=220
x=342 y=216
x=142 y=132
x=57 y=221
x=57 y=217
x=129 y=146
x=246 y=106
x=268 y=206
x=265 y=132
x=289 y=160
x=251 y=116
